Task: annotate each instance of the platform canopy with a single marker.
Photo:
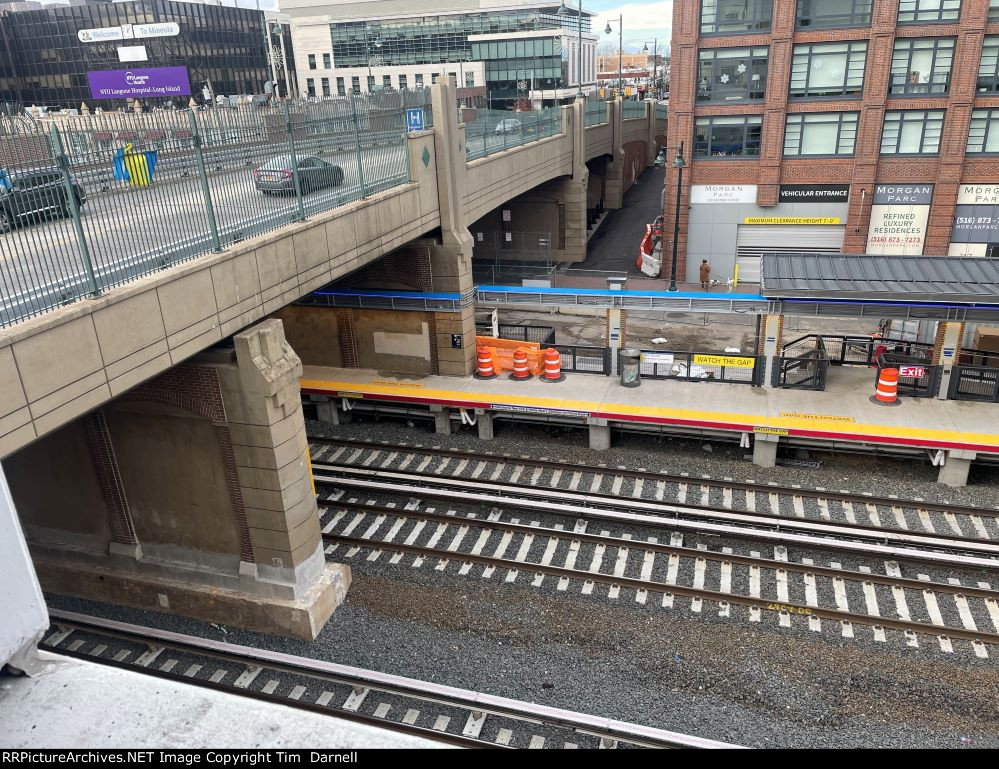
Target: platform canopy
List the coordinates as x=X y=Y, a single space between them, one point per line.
x=874 y=277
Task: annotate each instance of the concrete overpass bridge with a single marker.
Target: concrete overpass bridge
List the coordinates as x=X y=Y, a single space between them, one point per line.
x=153 y=436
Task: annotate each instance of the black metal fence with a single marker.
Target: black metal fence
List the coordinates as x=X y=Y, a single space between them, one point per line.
x=585 y=360
x=803 y=365
x=974 y=383
x=543 y=335
x=916 y=376
x=702 y=367
x=845 y=350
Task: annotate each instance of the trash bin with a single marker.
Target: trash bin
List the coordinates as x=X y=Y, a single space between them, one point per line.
x=137 y=166
x=631 y=367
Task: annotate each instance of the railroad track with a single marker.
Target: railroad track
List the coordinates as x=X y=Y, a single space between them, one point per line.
x=430 y=710
x=655 y=573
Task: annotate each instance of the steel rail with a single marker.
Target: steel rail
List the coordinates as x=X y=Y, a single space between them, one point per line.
x=612 y=500
x=683 y=552
x=841 y=496
x=723 y=599
x=503 y=707
x=753 y=526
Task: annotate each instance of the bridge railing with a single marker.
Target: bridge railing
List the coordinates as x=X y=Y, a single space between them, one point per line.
x=633 y=109
x=499 y=130
x=100 y=200
x=596 y=113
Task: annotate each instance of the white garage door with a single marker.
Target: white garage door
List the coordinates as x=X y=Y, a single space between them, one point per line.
x=754 y=240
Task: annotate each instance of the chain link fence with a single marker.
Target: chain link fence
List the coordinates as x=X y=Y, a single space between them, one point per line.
x=94 y=201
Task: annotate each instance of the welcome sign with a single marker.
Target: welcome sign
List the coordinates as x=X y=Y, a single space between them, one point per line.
x=139 y=83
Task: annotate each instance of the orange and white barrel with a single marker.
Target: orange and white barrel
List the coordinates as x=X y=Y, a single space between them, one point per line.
x=887 y=389
x=520 y=370
x=484 y=368
x=553 y=366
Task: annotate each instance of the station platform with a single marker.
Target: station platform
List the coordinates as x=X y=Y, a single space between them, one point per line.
x=836 y=419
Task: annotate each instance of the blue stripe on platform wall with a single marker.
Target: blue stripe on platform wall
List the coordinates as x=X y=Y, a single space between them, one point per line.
x=608 y=292
x=392 y=294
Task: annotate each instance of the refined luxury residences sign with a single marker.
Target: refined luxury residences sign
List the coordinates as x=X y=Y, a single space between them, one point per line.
x=723 y=193
x=976 y=217
x=139 y=83
x=899 y=213
x=814 y=193
x=128 y=32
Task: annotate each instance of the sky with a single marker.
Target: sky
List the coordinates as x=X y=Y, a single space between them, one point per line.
x=644 y=20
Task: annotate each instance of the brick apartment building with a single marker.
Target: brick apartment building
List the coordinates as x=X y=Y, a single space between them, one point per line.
x=855 y=126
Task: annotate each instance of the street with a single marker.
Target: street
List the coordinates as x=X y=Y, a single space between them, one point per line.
x=614 y=247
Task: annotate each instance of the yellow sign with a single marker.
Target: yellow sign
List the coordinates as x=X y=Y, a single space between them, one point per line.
x=724 y=360
x=791 y=220
x=351 y=395
x=818 y=417
x=770 y=430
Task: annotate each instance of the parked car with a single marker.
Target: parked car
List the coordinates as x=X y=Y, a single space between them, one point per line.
x=276 y=175
x=35 y=193
x=508 y=126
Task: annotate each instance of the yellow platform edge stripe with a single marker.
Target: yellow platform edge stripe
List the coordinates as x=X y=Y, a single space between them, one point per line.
x=820 y=425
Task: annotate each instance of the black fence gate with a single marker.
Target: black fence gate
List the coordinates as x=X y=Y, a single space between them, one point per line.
x=803 y=365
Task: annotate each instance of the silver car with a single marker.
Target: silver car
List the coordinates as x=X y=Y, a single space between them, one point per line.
x=276 y=175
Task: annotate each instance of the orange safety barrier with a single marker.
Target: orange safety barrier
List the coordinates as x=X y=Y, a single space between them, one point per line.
x=887 y=390
x=520 y=370
x=502 y=353
x=553 y=366
x=485 y=368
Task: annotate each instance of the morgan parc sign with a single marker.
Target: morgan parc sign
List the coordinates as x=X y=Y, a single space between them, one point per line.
x=139 y=83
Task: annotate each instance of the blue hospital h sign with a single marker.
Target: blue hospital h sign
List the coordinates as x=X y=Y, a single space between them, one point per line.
x=414 y=119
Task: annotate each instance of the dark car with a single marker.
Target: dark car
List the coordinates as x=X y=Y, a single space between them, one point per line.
x=33 y=194
x=315 y=174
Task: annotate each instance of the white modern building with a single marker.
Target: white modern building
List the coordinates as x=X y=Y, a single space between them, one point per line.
x=499 y=50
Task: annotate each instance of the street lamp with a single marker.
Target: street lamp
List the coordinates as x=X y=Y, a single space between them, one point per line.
x=620 y=52
x=564 y=11
x=371 y=84
x=655 y=60
x=679 y=164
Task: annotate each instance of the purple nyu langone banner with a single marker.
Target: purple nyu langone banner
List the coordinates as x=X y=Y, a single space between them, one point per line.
x=139 y=83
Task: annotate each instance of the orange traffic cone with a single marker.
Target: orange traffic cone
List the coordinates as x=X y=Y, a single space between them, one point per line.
x=553 y=366
x=886 y=393
x=485 y=368
x=520 y=370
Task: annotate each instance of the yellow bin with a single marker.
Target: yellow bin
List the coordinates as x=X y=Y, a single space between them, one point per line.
x=137 y=166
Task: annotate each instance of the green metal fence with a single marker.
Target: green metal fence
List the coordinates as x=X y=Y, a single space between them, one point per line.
x=498 y=130
x=596 y=113
x=661 y=112
x=94 y=201
x=633 y=109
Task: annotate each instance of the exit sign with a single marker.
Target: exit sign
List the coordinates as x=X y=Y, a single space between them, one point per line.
x=912 y=372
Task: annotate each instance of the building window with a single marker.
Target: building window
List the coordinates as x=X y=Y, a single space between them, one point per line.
x=820 y=133
x=371 y=83
x=326 y=86
x=731 y=17
x=340 y=90
x=469 y=80
x=419 y=81
x=312 y=61
x=834 y=13
x=732 y=74
x=928 y=10
x=828 y=69
x=386 y=81
x=994 y=10
x=402 y=82
x=921 y=65
x=983 y=136
x=327 y=62
x=310 y=87
x=912 y=132
x=988 y=68
x=728 y=136
x=355 y=84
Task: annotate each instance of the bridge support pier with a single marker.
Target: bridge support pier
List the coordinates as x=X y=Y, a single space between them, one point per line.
x=442 y=420
x=190 y=494
x=600 y=435
x=954 y=472
x=484 y=421
x=327 y=411
x=765 y=450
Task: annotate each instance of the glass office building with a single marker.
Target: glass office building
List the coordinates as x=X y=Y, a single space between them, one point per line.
x=45 y=63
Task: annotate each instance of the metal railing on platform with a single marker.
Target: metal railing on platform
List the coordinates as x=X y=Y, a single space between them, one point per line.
x=702 y=367
x=104 y=199
x=974 y=383
x=580 y=359
x=543 y=335
x=917 y=377
x=803 y=365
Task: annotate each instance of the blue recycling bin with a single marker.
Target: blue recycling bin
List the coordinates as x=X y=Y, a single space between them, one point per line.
x=5 y=184
x=142 y=165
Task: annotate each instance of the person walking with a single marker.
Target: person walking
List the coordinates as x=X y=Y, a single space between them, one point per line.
x=705 y=275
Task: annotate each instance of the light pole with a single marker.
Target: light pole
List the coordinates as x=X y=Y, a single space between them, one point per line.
x=655 y=59
x=679 y=164
x=620 y=52
x=564 y=11
x=371 y=84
